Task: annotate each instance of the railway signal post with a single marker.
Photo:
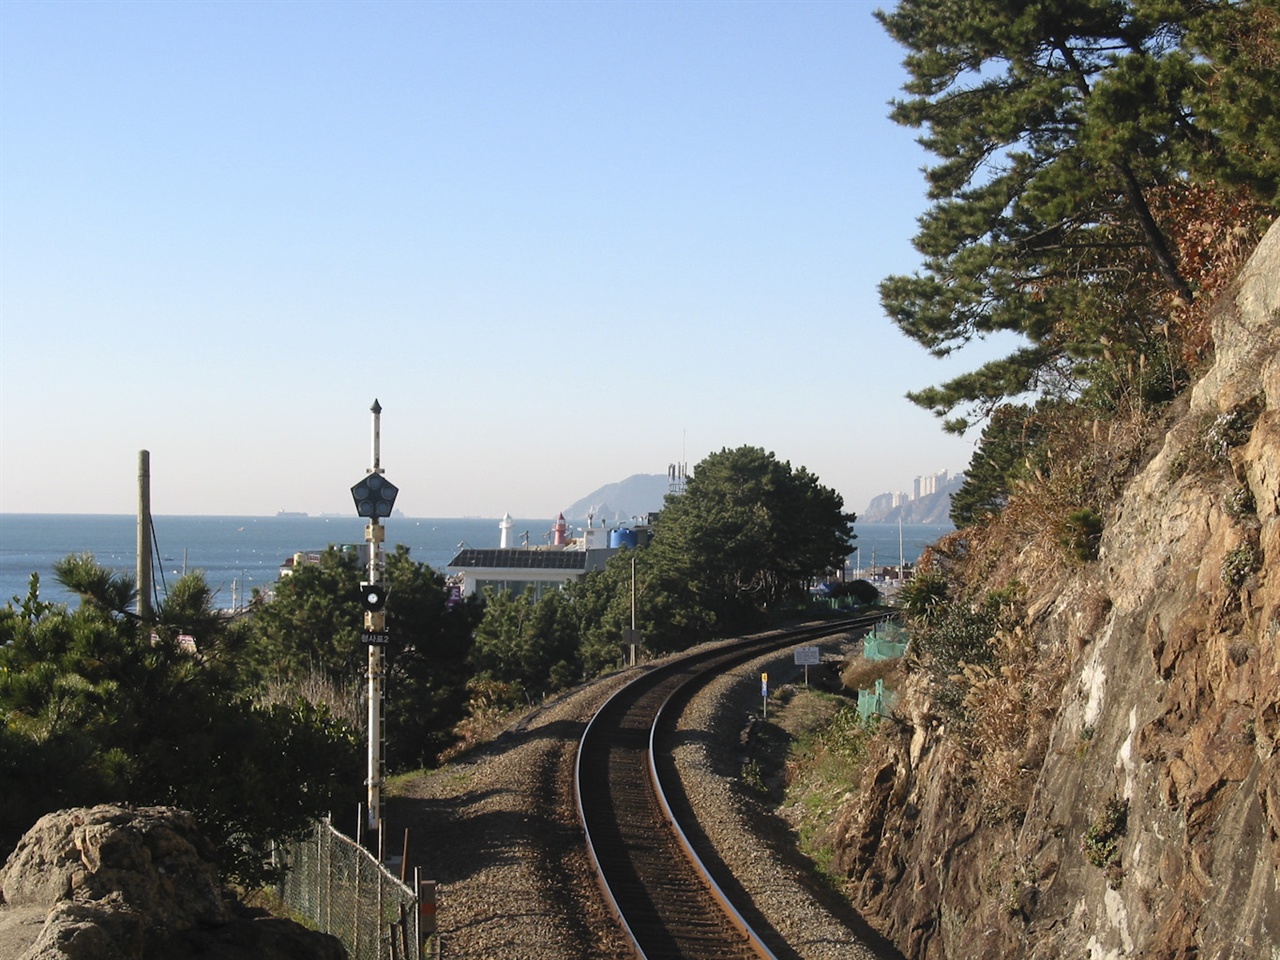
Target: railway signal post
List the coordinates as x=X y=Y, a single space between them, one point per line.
x=374 y=498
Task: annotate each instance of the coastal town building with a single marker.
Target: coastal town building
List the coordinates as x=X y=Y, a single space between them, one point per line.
x=544 y=567
x=930 y=484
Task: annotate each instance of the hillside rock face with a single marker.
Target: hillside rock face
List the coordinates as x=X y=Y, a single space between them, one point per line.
x=122 y=883
x=1149 y=825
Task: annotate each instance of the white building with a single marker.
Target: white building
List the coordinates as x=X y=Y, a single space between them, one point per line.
x=544 y=567
x=930 y=484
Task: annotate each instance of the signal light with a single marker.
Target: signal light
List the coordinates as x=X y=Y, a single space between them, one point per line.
x=373 y=596
x=374 y=496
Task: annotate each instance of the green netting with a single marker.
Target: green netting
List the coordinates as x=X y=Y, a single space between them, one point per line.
x=887 y=642
x=875 y=702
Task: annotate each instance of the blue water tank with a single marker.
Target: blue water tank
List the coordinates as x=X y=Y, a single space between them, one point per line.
x=622 y=537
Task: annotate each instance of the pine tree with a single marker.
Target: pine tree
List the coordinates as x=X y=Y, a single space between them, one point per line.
x=96 y=707
x=1061 y=130
x=748 y=534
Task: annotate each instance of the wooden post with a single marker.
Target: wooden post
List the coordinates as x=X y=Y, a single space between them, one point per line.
x=427 y=905
x=144 y=536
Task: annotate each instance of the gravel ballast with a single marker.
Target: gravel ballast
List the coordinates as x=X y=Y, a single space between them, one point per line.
x=498 y=830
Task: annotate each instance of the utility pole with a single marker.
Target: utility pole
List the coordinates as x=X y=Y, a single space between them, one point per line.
x=144 y=536
x=374 y=497
x=631 y=635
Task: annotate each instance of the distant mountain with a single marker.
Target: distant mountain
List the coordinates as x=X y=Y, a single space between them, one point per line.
x=933 y=508
x=636 y=496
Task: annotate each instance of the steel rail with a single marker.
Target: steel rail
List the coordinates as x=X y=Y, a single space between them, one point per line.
x=657 y=887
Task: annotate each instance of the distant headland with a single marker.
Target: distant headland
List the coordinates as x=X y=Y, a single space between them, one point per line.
x=928 y=502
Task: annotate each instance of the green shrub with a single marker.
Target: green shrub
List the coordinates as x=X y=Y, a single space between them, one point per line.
x=753 y=777
x=1101 y=842
x=1239 y=503
x=1215 y=437
x=1238 y=565
x=1083 y=533
x=845 y=735
x=960 y=634
x=1231 y=429
x=923 y=597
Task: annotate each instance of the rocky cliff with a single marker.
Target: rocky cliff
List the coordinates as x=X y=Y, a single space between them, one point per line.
x=1111 y=786
x=124 y=883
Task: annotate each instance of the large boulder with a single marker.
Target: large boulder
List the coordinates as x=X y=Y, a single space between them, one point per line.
x=137 y=883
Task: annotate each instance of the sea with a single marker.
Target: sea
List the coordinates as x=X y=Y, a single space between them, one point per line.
x=240 y=554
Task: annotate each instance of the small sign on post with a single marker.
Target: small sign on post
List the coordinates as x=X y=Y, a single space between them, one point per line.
x=764 y=695
x=805 y=656
x=631 y=637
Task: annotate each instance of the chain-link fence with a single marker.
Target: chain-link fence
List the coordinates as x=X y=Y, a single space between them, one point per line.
x=342 y=889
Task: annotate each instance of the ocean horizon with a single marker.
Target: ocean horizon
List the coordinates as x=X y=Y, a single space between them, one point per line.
x=239 y=554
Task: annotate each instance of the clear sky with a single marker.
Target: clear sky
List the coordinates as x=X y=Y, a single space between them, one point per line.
x=561 y=243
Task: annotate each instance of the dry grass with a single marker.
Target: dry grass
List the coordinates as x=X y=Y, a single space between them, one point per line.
x=1008 y=706
x=1086 y=468
x=343 y=701
x=1005 y=691
x=861 y=674
x=1214 y=231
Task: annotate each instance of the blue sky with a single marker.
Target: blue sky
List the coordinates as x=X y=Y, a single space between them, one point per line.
x=561 y=243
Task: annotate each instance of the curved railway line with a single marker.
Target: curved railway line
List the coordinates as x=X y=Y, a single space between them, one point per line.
x=666 y=900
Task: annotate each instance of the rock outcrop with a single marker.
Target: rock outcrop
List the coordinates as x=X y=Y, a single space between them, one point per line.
x=1147 y=813
x=123 y=883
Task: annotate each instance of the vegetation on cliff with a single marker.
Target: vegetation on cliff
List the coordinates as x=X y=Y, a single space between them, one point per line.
x=1093 y=653
x=1105 y=166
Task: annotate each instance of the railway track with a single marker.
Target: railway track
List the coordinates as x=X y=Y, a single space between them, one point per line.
x=664 y=897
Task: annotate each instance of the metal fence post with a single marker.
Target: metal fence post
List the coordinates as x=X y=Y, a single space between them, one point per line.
x=419 y=942
x=318 y=885
x=328 y=876
x=356 y=926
